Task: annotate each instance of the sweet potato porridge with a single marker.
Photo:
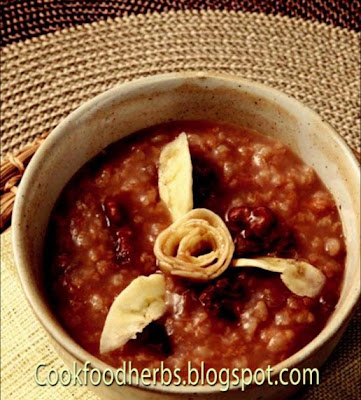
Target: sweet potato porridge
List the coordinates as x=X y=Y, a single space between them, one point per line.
x=112 y=224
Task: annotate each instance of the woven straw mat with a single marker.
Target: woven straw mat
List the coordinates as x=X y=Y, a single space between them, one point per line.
x=45 y=78
x=23 y=19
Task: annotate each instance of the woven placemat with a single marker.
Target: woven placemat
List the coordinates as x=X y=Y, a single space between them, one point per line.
x=23 y=19
x=44 y=78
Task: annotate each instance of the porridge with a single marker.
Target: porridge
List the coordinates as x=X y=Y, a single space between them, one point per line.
x=104 y=227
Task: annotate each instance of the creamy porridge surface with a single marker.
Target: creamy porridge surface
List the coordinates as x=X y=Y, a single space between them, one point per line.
x=103 y=227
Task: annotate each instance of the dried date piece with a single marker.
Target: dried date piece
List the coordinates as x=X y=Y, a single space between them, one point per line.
x=118 y=223
x=221 y=298
x=155 y=337
x=114 y=215
x=258 y=231
x=123 y=245
x=205 y=181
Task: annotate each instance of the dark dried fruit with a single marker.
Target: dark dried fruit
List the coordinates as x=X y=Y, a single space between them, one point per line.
x=123 y=245
x=261 y=221
x=209 y=297
x=228 y=310
x=328 y=300
x=238 y=215
x=155 y=337
x=284 y=243
x=256 y=221
x=118 y=224
x=258 y=231
x=205 y=181
x=247 y=246
x=221 y=297
x=113 y=212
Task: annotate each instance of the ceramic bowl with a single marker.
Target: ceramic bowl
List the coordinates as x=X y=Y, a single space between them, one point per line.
x=145 y=102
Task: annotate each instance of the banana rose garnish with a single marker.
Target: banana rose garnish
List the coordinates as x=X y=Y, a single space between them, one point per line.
x=300 y=277
x=197 y=246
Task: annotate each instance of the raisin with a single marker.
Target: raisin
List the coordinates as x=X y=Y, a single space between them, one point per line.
x=261 y=221
x=123 y=245
x=205 y=181
x=118 y=224
x=221 y=297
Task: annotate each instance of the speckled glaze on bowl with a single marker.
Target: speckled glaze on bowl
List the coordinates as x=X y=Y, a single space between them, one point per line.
x=142 y=103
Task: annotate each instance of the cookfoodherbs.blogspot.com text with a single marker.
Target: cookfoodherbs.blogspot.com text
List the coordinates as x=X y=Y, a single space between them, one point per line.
x=227 y=378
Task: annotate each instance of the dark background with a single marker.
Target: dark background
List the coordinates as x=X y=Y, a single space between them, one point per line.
x=21 y=20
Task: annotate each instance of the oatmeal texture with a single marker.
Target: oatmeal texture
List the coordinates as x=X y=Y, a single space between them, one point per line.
x=104 y=225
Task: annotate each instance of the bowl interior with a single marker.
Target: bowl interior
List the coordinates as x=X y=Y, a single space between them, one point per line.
x=150 y=101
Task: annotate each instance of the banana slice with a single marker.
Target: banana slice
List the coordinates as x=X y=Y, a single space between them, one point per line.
x=300 y=277
x=303 y=279
x=140 y=303
x=175 y=177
